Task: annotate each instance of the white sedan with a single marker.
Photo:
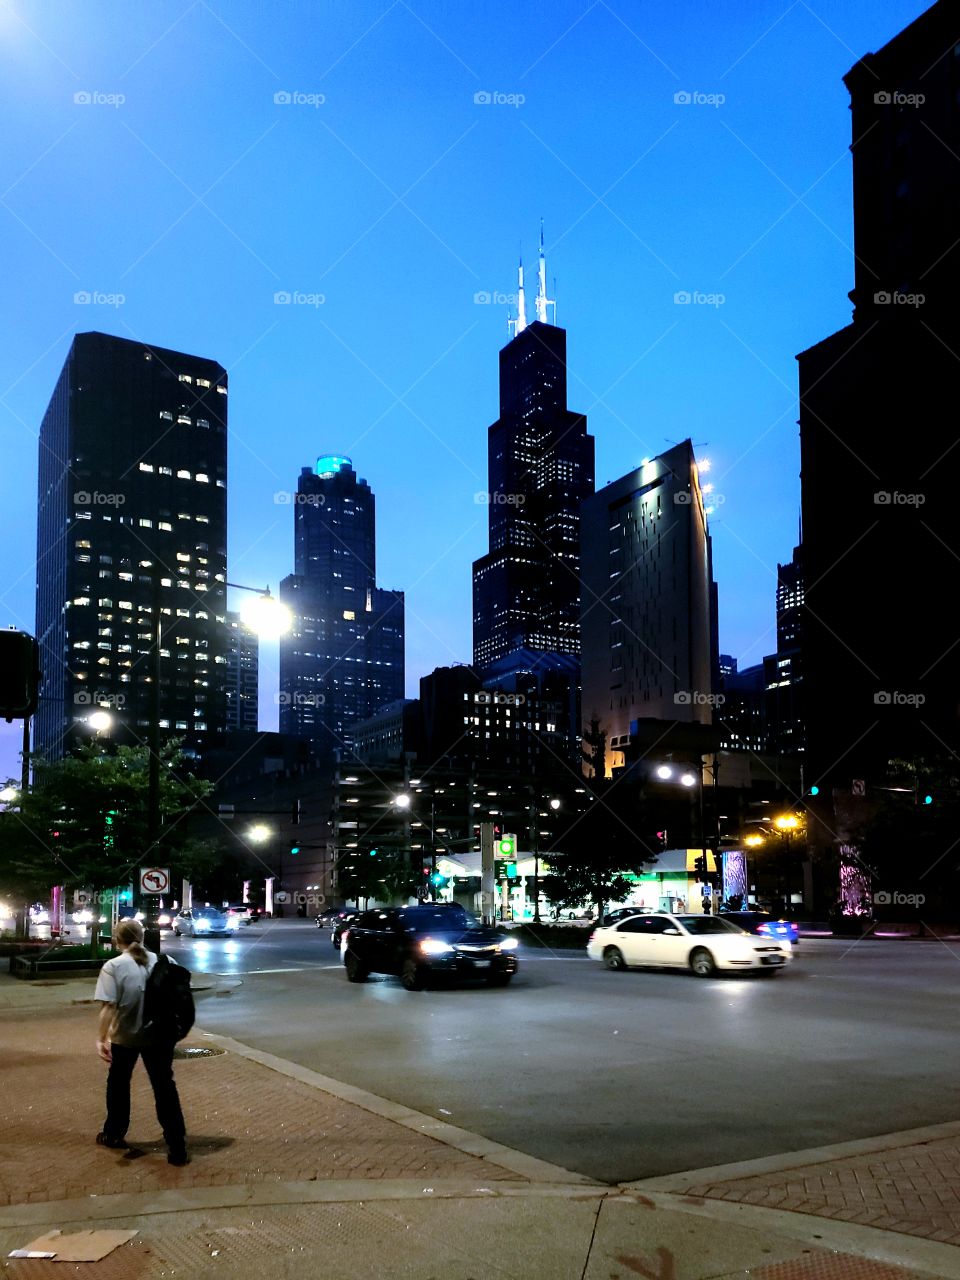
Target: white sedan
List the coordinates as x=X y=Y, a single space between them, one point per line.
x=703 y=944
x=203 y=922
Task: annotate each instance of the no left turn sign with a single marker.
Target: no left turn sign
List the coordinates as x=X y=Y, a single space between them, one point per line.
x=154 y=880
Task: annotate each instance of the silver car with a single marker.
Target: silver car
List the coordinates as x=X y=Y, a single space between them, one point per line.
x=204 y=922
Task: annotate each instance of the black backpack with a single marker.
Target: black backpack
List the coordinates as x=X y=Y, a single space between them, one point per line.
x=168 y=1011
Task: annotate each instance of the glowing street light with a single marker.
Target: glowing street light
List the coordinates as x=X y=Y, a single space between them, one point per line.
x=100 y=721
x=259 y=832
x=787 y=822
x=402 y=801
x=265 y=615
x=753 y=841
x=665 y=772
x=688 y=779
x=8 y=795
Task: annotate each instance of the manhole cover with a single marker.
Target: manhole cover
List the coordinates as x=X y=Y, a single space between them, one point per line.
x=197 y=1053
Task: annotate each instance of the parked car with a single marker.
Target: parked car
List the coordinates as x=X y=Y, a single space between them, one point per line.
x=343 y=921
x=621 y=913
x=417 y=943
x=246 y=912
x=764 y=924
x=204 y=922
x=700 y=943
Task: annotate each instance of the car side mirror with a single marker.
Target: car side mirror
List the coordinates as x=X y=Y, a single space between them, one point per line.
x=675 y=932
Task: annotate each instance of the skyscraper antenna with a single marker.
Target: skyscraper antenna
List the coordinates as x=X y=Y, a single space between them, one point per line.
x=542 y=300
x=521 y=321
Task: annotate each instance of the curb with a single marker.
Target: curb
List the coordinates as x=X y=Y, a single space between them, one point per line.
x=526 y=1166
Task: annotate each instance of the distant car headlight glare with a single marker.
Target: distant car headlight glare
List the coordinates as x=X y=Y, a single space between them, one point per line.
x=233 y=922
x=202 y=924
x=508 y=944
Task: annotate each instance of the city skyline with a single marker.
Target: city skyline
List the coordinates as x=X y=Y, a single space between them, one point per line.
x=745 y=199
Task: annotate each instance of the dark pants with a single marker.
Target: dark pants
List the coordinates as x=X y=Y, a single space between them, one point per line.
x=158 y=1060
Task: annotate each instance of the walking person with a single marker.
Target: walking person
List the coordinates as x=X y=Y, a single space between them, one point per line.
x=121 y=1040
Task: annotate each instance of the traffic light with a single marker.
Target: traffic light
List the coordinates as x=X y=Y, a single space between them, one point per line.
x=662 y=837
x=436 y=878
x=700 y=865
x=294 y=848
x=928 y=799
x=373 y=853
x=814 y=791
x=19 y=675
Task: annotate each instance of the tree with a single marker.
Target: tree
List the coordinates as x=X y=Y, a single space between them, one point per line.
x=385 y=872
x=592 y=858
x=85 y=822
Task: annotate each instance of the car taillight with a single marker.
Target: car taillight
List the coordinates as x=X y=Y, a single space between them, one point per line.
x=763 y=928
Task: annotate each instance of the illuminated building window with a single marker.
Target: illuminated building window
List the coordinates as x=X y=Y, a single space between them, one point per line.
x=146 y=466
x=166 y=415
x=203 y=382
x=185 y=377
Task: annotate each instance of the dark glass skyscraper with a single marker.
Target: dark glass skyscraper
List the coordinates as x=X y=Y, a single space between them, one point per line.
x=132 y=519
x=526 y=590
x=344 y=656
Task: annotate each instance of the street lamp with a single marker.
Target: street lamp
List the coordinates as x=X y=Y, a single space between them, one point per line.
x=100 y=721
x=534 y=807
x=8 y=795
x=264 y=614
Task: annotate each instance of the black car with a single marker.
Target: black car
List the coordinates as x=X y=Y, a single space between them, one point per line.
x=417 y=943
x=621 y=913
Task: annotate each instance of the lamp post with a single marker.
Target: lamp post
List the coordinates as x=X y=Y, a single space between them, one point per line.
x=404 y=802
x=534 y=814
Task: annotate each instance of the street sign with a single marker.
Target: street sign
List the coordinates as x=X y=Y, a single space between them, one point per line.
x=154 y=880
x=859 y=787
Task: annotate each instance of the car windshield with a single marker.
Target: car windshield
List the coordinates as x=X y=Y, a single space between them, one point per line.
x=707 y=924
x=206 y=913
x=434 y=919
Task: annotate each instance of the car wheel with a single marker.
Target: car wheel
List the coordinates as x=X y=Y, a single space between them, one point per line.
x=355 y=970
x=702 y=963
x=613 y=958
x=411 y=975
x=499 y=979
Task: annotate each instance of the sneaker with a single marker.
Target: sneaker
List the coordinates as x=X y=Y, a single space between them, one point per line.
x=117 y=1144
x=178 y=1156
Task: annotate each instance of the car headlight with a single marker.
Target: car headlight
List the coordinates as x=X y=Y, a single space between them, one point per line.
x=202 y=924
x=164 y=919
x=233 y=922
x=508 y=944
x=434 y=947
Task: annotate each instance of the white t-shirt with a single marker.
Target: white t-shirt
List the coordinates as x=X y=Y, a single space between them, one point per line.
x=121 y=982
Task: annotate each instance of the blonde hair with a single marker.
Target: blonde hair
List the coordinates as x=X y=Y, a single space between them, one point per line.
x=129 y=934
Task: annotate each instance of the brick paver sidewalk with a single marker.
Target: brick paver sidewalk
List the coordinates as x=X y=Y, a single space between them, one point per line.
x=245 y=1123
x=911 y=1189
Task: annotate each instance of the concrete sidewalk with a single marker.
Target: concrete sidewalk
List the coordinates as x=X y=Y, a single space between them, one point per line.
x=298 y=1174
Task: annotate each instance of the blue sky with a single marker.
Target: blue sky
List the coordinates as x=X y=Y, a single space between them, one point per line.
x=145 y=158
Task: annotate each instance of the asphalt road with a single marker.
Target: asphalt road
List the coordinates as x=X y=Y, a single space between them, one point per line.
x=619 y=1075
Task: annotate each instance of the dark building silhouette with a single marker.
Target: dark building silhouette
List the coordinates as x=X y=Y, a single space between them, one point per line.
x=649 y=601
x=740 y=714
x=879 y=528
x=540 y=468
x=344 y=656
x=784 y=711
x=132 y=520
x=242 y=675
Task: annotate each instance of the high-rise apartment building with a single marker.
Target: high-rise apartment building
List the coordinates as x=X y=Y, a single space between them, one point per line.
x=242 y=675
x=132 y=531
x=526 y=589
x=648 y=619
x=343 y=658
x=879 y=523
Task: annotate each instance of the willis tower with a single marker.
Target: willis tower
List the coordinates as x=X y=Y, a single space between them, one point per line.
x=526 y=589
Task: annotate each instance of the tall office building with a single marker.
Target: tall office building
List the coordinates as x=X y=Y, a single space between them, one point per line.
x=344 y=656
x=879 y=523
x=784 y=711
x=648 y=619
x=526 y=589
x=132 y=527
x=241 y=675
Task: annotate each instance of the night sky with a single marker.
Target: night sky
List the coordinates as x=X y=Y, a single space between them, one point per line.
x=384 y=163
